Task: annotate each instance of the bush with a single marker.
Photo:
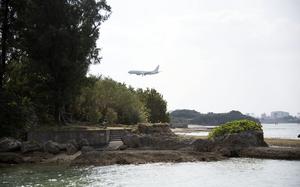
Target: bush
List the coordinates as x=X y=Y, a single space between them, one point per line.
x=236 y=126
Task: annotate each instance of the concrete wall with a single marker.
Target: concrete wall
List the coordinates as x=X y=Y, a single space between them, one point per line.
x=94 y=137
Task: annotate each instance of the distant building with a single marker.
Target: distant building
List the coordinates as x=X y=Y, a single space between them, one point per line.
x=263 y=116
x=279 y=114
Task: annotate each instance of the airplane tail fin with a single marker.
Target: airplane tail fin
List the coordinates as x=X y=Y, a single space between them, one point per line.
x=156 y=69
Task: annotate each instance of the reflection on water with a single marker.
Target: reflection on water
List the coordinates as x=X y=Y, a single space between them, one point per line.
x=232 y=172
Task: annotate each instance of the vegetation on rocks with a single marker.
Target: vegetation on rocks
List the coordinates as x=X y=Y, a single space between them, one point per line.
x=236 y=126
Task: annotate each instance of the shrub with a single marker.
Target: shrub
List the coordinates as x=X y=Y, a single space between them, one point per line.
x=236 y=126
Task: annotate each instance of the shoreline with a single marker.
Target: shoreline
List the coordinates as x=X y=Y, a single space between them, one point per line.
x=283 y=149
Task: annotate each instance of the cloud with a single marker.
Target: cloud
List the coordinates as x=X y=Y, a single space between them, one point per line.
x=215 y=55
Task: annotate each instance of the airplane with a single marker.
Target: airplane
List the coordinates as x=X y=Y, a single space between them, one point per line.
x=143 y=73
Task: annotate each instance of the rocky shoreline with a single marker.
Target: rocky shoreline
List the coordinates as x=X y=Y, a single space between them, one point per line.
x=148 y=144
x=143 y=156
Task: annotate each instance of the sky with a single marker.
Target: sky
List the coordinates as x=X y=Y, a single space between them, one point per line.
x=214 y=55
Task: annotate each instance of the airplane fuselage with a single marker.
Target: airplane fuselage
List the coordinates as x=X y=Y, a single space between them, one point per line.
x=143 y=73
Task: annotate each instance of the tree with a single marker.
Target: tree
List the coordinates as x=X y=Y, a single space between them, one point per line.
x=10 y=34
x=155 y=105
x=4 y=31
x=59 y=39
x=107 y=100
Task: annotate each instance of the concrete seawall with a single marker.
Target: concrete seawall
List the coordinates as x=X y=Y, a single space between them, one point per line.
x=94 y=137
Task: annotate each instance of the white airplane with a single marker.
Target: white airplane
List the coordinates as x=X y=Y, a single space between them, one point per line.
x=143 y=73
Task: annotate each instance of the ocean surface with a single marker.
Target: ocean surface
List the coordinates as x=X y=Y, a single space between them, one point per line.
x=282 y=130
x=236 y=172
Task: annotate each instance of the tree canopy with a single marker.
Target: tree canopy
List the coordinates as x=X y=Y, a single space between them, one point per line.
x=113 y=102
x=46 y=48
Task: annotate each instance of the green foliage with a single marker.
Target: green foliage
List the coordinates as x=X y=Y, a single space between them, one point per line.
x=16 y=115
x=108 y=100
x=111 y=116
x=236 y=126
x=59 y=40
x=50 y=46
x=155 y=105
x=105 y=100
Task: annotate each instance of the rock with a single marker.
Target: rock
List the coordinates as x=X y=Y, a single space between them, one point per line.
x=102 y=158
x=83 y=142
x=85 y=149
x=52 y=147
x=202 y=145
x=122 y=147
x=154 y=136
x=71 y=149
x=156 y=128
x=241 y=140
x=154 y=141
x=74 y=143
x=9 y=144
x=131 y=140
x=62 y=146
x=231 y=144
x=10 y=158
x=287 y=153
x=30 y=146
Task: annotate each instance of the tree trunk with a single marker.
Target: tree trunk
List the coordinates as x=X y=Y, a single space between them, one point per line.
x=4 y=5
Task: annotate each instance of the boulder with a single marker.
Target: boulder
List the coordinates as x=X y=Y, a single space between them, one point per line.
x=156 y=128
x=131 y=140
x=62 y=146
x=85 y=149
x=52 y=147
x=74 y=143
x=10 y=158
x=83 y=142
x=71 y=149
x=122 y=147
x=9 y=144
x=231 y=144
x=241 y=140
x=154 y=141
x=30 y=146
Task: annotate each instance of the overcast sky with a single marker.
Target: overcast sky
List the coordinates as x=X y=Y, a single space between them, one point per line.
x=215 y=55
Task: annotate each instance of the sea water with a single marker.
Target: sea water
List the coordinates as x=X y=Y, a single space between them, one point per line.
x=232 y=172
